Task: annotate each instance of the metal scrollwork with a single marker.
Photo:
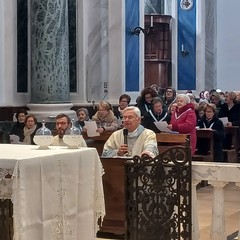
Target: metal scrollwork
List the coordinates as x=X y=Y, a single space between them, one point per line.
x=159 y=196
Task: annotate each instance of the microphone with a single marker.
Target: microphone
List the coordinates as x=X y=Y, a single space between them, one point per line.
x=125 y=134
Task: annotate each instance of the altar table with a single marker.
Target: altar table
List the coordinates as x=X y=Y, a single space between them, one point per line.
x=57 y=193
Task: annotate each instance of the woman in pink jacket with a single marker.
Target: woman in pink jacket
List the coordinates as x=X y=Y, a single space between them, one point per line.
x=183 y=120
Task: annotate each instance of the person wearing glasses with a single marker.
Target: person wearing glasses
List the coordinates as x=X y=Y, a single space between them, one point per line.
x=157 y=114
x=212 y=122
x=137 y=140
x=63 y=124
x=144 y=101
x=169 y=96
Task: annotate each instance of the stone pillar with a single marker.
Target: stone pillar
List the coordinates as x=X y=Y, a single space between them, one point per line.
x=49 y=59
x=218 y=217
x=195 y=223
x=238 y=185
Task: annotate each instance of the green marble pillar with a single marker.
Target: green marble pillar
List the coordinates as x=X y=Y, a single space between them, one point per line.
x=49 y=52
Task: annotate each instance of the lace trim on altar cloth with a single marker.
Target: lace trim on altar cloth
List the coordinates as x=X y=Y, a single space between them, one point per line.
x=5 y=171
x=16 y=203
x=5 y=183
x=5 y=188
x=99 y=202
x=99 y=211
x=61 y=226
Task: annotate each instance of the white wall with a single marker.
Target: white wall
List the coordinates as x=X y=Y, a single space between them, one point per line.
x=228 y=51
x=228 y=45
x=8 y=56
x=1 y=49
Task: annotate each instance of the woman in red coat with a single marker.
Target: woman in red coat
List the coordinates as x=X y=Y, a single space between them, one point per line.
x=183 y=120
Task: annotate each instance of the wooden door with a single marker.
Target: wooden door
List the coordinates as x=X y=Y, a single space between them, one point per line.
x=158 y=51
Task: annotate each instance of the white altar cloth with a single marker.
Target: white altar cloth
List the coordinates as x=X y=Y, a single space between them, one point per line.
x=57 y=193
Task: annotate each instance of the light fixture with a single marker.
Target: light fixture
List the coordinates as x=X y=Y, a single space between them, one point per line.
x=145 y=31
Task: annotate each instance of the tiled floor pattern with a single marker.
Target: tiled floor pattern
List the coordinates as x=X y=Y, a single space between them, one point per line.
x=232 y=208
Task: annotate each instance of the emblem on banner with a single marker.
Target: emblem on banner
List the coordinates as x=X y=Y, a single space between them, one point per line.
x=186 y=4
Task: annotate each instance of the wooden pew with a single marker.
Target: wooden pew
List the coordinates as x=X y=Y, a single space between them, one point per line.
x=97 y=142
x=166 y=140
x=114 y=221
x=206 y=134
x=231 y=155
x=1 y=136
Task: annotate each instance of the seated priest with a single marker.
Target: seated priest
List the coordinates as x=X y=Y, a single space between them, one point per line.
x=133 y=139
x=63 y=124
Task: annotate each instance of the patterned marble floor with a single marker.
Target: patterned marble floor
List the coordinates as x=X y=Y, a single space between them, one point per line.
x=232 y=208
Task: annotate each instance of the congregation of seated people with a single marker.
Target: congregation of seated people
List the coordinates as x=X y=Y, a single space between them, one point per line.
x=24 y=129
x=182 y=112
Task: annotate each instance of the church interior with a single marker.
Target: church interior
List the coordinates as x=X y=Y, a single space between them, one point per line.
x=59 y=56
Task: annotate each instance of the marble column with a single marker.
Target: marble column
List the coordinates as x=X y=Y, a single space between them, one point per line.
x=218 y=231
x=49 y=59
x=238 y=185
x=195 y=223
x=210 y=44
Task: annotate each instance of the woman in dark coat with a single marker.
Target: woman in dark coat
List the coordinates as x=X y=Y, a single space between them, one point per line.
x=231 y=110
x=30 y=129
x=17 y=128
x=157 y=114
x=144 y=102
x=169 y=96
x=211 y=121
